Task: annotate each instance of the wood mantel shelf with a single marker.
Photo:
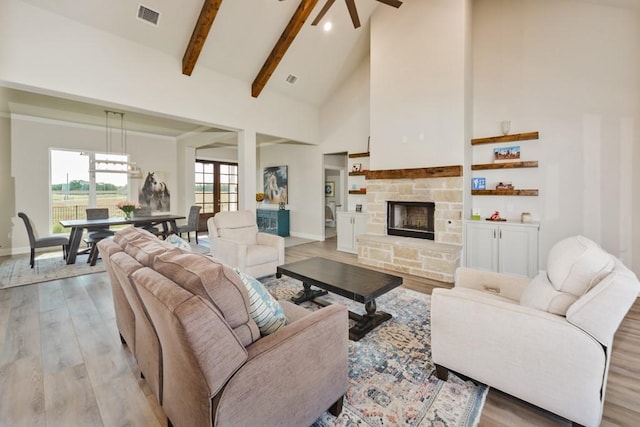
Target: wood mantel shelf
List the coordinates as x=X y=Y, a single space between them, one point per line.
x=435 y=172
x=504 y=192
x=361 y=173
x=509 y=165
x=505 y=138
x=356 y=155
x=358 y=191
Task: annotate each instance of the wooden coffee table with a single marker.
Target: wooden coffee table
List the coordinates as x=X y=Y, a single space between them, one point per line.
x=350 y=281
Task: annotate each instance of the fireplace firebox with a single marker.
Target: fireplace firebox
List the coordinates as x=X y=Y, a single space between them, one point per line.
x=411 y=219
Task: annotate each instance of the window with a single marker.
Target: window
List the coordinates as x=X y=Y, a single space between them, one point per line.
x=216 y=186
x=74 y=189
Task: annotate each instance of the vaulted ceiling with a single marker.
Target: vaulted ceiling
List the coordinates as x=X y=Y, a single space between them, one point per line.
x=243 y=35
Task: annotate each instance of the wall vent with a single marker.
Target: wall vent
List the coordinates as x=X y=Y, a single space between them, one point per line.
x=291 y=79
x=148 y=15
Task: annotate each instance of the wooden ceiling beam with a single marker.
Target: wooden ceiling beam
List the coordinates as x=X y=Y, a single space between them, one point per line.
x=199 y=36
x=282 y=45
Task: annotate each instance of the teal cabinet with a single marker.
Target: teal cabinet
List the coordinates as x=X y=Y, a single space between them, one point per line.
x=273 y=221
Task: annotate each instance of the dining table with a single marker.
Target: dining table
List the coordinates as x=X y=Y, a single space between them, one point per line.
x=77 y=226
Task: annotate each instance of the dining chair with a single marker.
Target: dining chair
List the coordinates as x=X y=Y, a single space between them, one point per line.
x=146 y=211
x=192 y=223
x=42 y=242
x=95 y=234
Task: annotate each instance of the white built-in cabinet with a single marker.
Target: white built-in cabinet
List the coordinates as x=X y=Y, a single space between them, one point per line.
x=349 y=225
x=503 y=247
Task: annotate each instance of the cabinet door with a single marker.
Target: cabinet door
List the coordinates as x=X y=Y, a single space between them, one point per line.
x=359 y=227
x=344 y=229
x=482 y=246
x=518 y=250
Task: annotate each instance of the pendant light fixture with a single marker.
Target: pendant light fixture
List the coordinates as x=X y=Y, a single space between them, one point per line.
x=115 y=166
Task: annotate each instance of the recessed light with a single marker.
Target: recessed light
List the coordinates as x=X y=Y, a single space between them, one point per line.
x=327 y=26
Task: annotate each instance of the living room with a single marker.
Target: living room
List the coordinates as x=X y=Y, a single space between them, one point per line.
x=567 y=69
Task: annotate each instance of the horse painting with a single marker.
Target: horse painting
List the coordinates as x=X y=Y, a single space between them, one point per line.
x=276 y=185
x=154 y=194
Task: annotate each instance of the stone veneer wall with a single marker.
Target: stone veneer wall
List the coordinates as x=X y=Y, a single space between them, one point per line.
x=435 y=259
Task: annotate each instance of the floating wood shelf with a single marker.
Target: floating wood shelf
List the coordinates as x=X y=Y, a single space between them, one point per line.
x=504 y=192
x=509 y=165
x=358 y=191
x=505 y=138
x=356 y=155
x=361 y=173
x=435 y=172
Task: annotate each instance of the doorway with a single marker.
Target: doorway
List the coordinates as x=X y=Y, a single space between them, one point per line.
x=216 y=189
x=335 y=179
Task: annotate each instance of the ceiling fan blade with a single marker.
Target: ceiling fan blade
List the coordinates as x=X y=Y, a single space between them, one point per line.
x=394 y=3
x=322 y=12
x=351 y=5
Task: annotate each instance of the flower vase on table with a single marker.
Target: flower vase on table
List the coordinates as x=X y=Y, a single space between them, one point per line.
x=128 y=207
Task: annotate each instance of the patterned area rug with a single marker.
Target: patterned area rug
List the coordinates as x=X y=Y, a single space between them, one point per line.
x=392 y=380
x=15 y=270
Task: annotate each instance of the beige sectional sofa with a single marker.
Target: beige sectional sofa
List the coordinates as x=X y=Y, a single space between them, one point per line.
x=186 y=319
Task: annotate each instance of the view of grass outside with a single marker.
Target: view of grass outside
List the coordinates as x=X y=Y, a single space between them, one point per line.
x=70 y=188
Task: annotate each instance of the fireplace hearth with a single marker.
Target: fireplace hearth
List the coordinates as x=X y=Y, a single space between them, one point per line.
x=411 y=219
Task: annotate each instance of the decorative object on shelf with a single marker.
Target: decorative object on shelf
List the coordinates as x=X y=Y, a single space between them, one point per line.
x=281 y=206
x=505 y=126
x=475 y=214
x=504 y=186
x=259 y=197
x=357 y=167
x=127 y=207
x=329 y=189
x=478 y=183
x=358 y=208
x=354 y=187
x=506 y=154
x=276 y=186
x=526 y=217
x=495 y=217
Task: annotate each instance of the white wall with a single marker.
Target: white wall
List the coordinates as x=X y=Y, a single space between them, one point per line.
x=570 y=70
x=418 y=60
x=7 y=207
x=31 y=140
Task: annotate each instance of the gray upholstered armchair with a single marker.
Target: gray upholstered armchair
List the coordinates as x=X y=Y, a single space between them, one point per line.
x=236 y=241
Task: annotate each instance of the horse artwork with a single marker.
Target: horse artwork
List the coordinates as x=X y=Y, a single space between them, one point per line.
x=276 y=185
x=154 y=194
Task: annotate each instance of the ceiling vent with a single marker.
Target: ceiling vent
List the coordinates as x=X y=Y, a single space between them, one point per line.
x=148 y=15
x=291 y=79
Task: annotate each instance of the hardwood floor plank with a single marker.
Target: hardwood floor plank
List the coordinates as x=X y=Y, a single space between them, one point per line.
x=70 y=399
x=22 y=402
x=22 y=335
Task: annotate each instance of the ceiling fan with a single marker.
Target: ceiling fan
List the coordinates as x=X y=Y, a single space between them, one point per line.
x=353 y=12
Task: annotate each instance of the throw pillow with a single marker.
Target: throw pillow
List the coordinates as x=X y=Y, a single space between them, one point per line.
x=178 y=242
x=263 y=308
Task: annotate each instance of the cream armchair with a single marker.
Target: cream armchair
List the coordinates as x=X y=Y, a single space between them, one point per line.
x=545 y=340
x=236 y=241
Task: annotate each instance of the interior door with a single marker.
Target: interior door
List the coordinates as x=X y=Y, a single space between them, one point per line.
x=216 y=188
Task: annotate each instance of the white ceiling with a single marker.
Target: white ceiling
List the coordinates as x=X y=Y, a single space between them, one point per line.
x=241 y=38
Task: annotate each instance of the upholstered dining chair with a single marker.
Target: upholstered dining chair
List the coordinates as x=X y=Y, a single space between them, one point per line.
x=95 y=234
x=42 y=242
x=192 y=223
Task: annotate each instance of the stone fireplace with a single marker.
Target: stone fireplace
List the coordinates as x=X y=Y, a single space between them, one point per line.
x=435 y=257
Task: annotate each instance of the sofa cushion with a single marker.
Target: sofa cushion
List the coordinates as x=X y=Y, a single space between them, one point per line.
x=576 y=264
x=261 y=254
x=246 y=235
x=239 y=226
x=145 y=251
x=263 y=308
x=125 y=235
x=540 y=294
x=201 y=275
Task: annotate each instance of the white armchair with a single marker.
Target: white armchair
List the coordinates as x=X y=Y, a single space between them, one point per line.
x=545 y=340
x=236 y=241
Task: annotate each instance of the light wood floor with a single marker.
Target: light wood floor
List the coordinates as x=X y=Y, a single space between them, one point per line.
x=62 y=364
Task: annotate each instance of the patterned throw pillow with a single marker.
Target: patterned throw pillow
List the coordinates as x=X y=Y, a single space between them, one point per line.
x=263 y=308
x=178 y=242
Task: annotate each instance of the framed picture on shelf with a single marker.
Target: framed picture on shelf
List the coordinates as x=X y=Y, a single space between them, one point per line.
x=329 y=189
x=506 y=154
x=479 y=184
x=357 y=167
